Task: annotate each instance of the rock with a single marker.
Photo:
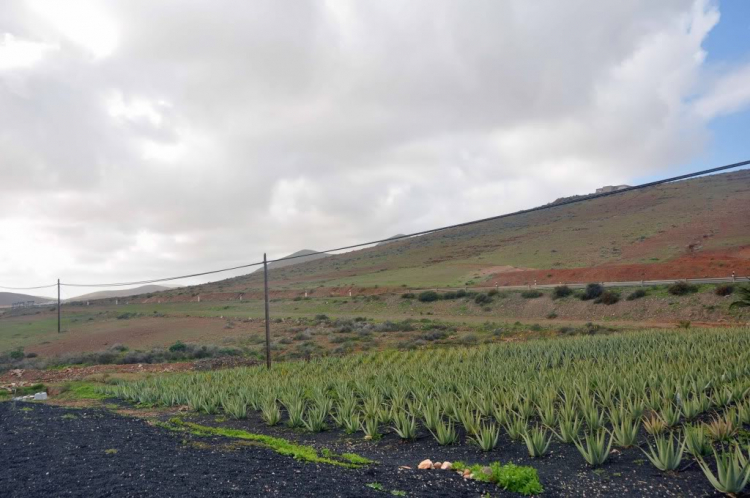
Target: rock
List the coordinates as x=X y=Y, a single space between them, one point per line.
x=40 y=396
x=425 y=464
x=368 y=438
x=467 y=472
x=437 y=465
x=487 y=471
x=446 y=466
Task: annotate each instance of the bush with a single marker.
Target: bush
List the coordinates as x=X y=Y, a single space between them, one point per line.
x=724 y=290
x=408 y=295
x=482 y=299
x=178 y=347
x=607 y=297
x=460 y=293
x=493 y=292
x=552 y=315
x=681 y=288
x=322 y=318
x=17 y=354
x=435 y=335
x=531 y=294
x=450 y=295
x=428 y=296
x=592 y=292
x=561 y=291
x=636 y=295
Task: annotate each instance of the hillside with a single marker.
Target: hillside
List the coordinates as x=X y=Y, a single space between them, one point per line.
x=303 y=256
x=8 y=298
x=145 y=289
x=694 y=228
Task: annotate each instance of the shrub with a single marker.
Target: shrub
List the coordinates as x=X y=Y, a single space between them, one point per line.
x=607 y=297
x=636 y=295
x=408 y=295
x=17 y=354
x=551 y=315
x=493 y=292
x=531 y=294
x=322 y=318
x=561 y=291
x=482 y=299
x=460 y=293
x=450 y=295
x=592 y=292
x=516 y=479
x=724 y=290
x=681 y=288
x=429 y=296
x=178 y=346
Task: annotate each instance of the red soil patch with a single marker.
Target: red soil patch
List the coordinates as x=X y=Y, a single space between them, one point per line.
x=699 y=265
x=32 y=376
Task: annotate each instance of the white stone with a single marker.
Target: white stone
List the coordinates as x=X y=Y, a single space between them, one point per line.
x=40 y=396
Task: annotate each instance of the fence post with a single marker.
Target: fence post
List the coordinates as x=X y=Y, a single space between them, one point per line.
x=58 y=305
x=268 y=323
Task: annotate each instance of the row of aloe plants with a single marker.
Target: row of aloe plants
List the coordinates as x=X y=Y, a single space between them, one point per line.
x=671 y=393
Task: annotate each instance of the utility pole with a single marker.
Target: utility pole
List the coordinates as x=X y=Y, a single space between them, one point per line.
x=268 y=322
x=58 y=305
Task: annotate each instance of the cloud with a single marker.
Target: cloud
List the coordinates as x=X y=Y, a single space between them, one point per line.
x=729 y=93
x=170 y=137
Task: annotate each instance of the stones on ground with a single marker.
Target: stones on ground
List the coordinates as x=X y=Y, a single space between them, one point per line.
x=40 y=396
x=428 y=464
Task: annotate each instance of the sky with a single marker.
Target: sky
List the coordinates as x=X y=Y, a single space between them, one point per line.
x=143 y=139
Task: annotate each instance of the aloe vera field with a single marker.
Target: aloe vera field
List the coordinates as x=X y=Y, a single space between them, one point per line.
x=679 y=399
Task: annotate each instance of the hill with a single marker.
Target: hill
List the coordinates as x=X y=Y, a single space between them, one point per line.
x=694 y=228
x=303 y=256
x=388 y=240
x=145 y=289
x=8 y=298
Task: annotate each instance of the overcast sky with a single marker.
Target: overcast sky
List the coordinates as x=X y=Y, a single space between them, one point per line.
x=146 y=138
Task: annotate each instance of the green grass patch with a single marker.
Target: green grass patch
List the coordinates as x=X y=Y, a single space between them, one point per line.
x=279 y=445
x=82 y=390
x=510 y=477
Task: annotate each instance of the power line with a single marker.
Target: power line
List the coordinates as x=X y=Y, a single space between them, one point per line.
x=525 y=211
x=167 y=279
x=415 y=234
x=29 y=288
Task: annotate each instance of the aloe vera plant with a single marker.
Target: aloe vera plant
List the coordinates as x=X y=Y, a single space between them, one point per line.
x=732 y=471
x=405 y=426
x=594 y=448
x=537 y=441
x=625 y=432
x=666 y=454
x=445 y=433
x=270 y=412
x=487 y=437
x=696 y=440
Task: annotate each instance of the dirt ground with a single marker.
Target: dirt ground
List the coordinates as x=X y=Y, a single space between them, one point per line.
x=54 y=451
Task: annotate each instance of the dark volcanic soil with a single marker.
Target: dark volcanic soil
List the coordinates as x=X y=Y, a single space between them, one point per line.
x=50 y=451
x=47 y=451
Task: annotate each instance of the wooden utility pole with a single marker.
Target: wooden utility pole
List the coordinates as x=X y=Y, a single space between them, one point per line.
x=58 y=305
x=268 y=320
